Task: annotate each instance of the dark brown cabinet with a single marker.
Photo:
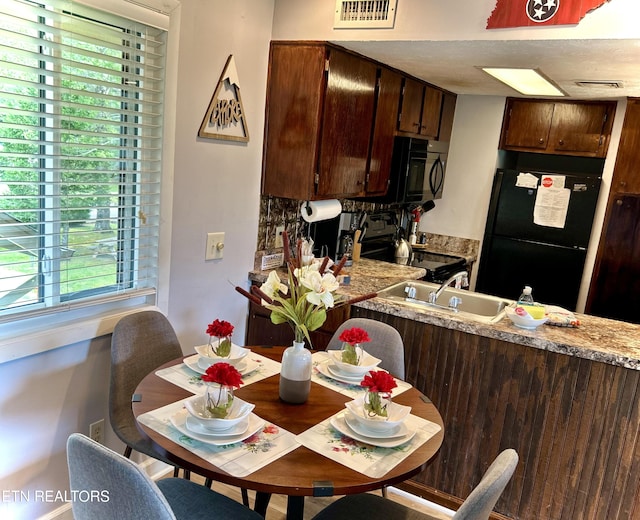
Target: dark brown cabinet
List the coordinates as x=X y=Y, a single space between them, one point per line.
x=420 y=109
x=615 y=285
x=558 y=127
x=326 y=132
x=261 y=331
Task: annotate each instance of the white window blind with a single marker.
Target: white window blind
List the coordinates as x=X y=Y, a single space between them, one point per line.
x=81 y=97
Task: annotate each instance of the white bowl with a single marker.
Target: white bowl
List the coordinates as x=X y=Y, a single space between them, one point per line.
x=396 y=414
x=367 y=363
x=524 y=321
x=239 y=410
x=207 y=358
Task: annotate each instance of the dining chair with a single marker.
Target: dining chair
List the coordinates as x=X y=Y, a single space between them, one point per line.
x=106 y=485
x=386 y=343
x=140 y=343
x=477 y=506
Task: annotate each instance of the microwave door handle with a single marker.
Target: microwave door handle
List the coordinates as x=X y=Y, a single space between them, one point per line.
x=435 y=180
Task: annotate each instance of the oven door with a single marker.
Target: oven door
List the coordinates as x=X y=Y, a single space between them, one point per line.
x=425 y=177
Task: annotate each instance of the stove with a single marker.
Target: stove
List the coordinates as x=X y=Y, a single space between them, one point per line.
x=378 y=244
x=439 y=267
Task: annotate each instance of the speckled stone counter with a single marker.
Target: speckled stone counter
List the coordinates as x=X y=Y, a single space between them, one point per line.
x=598 y=339
x=367 y=276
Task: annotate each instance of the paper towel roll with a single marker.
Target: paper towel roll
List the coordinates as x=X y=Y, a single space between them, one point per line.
x=316 y=210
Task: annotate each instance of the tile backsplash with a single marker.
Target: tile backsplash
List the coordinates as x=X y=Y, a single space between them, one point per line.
x=276 y=212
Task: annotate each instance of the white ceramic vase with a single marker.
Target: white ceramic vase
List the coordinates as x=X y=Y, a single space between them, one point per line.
x=295 y=374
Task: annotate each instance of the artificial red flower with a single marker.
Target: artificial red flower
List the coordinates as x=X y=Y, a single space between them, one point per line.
x=224 y=374
x=354 y=335
x=220 y=329
x=379 y=381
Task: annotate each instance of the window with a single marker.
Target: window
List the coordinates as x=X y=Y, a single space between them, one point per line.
x=81 y=97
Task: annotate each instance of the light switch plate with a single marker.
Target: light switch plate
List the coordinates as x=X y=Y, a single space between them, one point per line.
x=215 y=246
x=278 y=241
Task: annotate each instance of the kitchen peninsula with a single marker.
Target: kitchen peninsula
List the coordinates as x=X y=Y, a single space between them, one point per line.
x=564 y=398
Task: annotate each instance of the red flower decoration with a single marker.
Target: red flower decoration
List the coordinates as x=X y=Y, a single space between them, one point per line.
x=223 y=374
x=379 y=381
x=354 y=335
x=220 y=329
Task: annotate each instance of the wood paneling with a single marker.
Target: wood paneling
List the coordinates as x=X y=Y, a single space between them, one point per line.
x=575 y=424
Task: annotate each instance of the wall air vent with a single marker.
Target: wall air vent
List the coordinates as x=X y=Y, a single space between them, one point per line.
x=599 y=84
x=365 y=14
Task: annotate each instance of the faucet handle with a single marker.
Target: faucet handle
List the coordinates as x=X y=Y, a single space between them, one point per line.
x=462 y=281
x=454 y=302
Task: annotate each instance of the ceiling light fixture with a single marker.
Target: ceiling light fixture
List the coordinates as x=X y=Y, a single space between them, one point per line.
x=529 y=82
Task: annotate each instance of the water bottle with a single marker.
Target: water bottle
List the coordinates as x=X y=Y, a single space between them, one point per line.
x=526 y=296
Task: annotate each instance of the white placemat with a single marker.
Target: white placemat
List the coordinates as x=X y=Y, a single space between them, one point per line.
x=240 y=459
x=350 y=390
x=181 y=375
x=372 y=461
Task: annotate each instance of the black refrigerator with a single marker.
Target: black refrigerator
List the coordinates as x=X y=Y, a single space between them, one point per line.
x=537 y=233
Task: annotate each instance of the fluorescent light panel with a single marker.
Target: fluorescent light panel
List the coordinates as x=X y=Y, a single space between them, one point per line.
x=526 y=81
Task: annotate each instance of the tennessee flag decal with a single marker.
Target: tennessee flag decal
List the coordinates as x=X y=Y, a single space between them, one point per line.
x=531 y=13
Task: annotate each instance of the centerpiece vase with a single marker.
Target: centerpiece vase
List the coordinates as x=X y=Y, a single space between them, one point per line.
x=218 y=401
x=376 y=405
x=295 y=374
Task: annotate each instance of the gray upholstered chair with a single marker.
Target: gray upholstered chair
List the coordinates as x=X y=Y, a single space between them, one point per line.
x=109 y=486
x=140 y=343
x=477 y=506
x=386 y=343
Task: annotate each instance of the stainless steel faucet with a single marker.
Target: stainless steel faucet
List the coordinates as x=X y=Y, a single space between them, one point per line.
x=461 y=279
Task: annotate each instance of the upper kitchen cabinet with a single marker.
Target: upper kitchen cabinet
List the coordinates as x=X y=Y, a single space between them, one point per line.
x=321 y=133
x=558 y=127
x=421 y=110
x=387 y=98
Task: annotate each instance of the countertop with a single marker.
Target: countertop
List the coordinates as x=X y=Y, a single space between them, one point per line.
x=598 y=339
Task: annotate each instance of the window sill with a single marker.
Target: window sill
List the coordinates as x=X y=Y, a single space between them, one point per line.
x=21 y=340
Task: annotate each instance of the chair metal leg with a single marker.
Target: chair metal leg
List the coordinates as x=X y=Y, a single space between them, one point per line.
x=127 y=452
x=208 y=482
x=245 y=496
x=384 y=491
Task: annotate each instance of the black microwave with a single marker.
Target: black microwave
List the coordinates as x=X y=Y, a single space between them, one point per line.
x=417 y=170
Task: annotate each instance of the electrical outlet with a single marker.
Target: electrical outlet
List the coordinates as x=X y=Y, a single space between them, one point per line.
x=96 y=431
x=279 y=231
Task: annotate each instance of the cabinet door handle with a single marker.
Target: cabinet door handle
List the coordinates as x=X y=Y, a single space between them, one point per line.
x=541 y=140
x=561 y=142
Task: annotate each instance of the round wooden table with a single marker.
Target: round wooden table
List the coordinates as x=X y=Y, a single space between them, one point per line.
x=302 y=472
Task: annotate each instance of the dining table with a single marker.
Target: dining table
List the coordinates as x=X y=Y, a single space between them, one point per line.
x=296 y=450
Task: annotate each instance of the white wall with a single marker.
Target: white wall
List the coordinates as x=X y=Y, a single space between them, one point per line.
x=217 y=183
x=442 y=20
x=45 y=397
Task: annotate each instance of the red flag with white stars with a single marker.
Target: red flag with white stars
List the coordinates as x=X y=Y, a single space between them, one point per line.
x=533 y=13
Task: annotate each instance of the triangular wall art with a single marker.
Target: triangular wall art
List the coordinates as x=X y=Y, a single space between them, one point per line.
x=225 y=117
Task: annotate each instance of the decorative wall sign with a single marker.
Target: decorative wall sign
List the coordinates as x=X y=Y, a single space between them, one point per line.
x=225 y=117
x=531 y=13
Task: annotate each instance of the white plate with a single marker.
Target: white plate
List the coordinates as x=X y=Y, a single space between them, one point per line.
x=194 y=426
x=323 y=368
x=336 y=372
x=400 y=430
x=245 y=367
x=179 y=423
x=339 y=424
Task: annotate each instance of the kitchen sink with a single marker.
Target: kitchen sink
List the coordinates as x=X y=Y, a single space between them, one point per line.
x=476 y=306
